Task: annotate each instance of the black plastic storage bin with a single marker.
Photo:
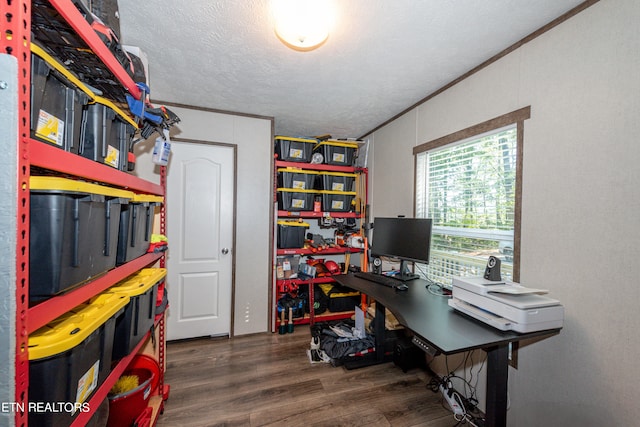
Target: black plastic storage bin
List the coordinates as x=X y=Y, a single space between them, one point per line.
x=106 y=135
x=70 y=358
x=73 y=233
x=291 y=234
x=291 y=199
x=136 y=226
x=337 y=181
x=56 y=103
x=299 y=179
x=341 y=298
x=337 y=201
x=338 y=153
x=140 y=313
x=292 y=149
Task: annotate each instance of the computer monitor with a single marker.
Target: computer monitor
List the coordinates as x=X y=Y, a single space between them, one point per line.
x=408 y=239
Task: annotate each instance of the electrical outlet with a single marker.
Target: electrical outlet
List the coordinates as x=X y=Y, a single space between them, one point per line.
x=448 y=394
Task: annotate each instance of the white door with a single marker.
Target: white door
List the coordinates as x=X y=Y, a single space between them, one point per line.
x=200 y=198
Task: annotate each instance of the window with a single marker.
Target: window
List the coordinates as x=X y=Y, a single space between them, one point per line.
x=469 y=184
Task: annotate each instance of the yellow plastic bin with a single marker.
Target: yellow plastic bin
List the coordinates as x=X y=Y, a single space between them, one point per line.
x=73 y=233
x=139 y=314
x=136 y=225
x=70 y=357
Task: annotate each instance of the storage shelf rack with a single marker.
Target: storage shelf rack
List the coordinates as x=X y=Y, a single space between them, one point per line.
x=15 y=37
x=281 y=286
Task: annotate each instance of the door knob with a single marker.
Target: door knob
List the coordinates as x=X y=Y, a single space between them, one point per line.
x=225 y=251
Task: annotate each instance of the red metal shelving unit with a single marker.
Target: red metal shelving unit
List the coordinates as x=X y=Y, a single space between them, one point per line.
x=15 y=38
x=282 y=286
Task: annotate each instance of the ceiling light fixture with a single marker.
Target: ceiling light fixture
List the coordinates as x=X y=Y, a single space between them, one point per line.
x=302 y=24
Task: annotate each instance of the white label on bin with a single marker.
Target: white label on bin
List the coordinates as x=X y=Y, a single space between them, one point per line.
x=337 y=205
x=113 y=157
x=337 y=186
x=297 y=203
x=50 y=128
x=88 y=382
x=295 y=153
x=299 y=185
x=338 y=157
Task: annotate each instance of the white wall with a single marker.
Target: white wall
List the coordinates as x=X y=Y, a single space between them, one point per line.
x=254 y=141
x=580 y=203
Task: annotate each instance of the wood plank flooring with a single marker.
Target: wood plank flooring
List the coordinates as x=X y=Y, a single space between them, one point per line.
x=267 y=380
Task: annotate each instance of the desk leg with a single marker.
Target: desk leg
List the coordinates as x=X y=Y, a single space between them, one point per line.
x=379 y=331
x=379 y=356
x=497 y=376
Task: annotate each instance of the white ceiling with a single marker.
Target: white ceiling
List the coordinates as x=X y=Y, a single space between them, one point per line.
x=381 y=57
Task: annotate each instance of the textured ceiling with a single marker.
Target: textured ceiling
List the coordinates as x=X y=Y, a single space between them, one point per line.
x=381 y=57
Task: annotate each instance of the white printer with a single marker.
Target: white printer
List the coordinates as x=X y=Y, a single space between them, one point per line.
x=507 y=306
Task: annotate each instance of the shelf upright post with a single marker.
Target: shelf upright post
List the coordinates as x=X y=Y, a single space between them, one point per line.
x=15 y=30
x=163 y=389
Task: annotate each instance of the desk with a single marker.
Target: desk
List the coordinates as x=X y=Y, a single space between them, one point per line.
x=447 y=331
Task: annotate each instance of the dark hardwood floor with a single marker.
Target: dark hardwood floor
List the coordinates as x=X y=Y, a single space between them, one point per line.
x=267 y=380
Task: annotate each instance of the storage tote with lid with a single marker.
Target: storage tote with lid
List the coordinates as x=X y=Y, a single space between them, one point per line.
x=291 y=199
x=73 y=233
x=337 y=201
x=292 y=149
x=338 y=153
x=291 y=234
x=136 y=226
x=139 y=314
x=70 y=357
x=56 y=102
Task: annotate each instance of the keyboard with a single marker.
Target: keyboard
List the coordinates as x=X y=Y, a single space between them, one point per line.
x=379 y=279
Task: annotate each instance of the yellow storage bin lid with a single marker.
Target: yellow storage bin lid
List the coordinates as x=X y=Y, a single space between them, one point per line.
x=298 y=170
x=337 y=193
x=59 y=185
x=292 y=223
x=298 y=190
x=146 y=198
x=346 y=144
x=291 y=138
x=348 y=175
x=107 y=103
x=73 y=327
x=140 y=282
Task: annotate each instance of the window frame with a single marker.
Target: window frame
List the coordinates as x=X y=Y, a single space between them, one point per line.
x=516 y=118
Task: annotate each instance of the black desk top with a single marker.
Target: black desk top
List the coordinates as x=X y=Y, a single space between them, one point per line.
x=430 y=317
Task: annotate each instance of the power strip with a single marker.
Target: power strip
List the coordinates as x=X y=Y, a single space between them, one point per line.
x=448 y=394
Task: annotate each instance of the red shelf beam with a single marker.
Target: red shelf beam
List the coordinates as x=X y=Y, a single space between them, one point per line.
x=332 y=251
x=72 y=15
x=315 y=166
x=312 y=214
x=53 y=158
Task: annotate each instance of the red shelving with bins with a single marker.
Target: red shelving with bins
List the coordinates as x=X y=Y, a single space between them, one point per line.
x=16 y=30
x=292 y=286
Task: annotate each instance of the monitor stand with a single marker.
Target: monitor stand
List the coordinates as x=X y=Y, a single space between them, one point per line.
x=405 y=274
